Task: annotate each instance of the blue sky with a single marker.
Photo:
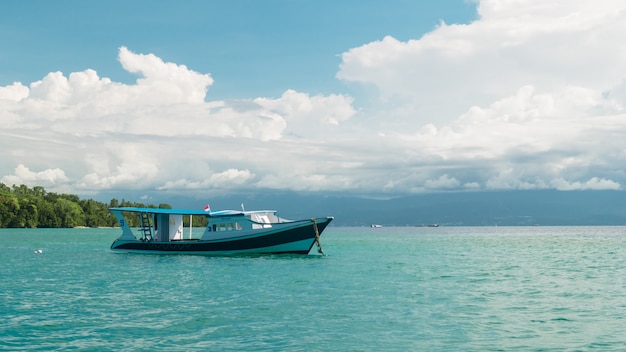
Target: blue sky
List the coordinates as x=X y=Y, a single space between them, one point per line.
x=365 y=98
x=251 y=48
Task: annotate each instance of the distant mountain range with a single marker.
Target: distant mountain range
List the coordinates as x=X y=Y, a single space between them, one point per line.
x=503 y=208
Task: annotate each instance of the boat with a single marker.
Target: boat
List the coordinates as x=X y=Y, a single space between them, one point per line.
x=376 y=226
x=228 y=232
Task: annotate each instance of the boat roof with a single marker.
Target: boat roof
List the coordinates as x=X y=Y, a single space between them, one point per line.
x=189 y=211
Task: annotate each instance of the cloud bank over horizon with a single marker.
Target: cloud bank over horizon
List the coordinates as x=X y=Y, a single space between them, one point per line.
x=530 y=95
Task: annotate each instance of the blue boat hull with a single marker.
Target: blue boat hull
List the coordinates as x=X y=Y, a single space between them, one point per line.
x=296 y=239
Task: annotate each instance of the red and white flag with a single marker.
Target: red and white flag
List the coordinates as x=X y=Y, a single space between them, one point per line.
x=207 y=208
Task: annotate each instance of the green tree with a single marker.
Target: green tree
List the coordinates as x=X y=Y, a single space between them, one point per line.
x=27 y=214
x=97 y=213
x=21 y=190
x=70 y=214
x=21 y=206
x=4 y=189
x=47 y=216
x=9 y=208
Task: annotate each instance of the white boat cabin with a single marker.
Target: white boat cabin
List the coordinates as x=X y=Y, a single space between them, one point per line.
x=165 y=225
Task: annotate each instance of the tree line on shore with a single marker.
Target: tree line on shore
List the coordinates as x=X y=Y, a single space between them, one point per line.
x=21 y=206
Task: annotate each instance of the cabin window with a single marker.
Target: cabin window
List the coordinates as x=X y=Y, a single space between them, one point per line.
x=262 y=218
x=227 y=226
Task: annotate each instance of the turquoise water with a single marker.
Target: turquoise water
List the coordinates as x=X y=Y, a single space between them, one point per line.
x=388 y=289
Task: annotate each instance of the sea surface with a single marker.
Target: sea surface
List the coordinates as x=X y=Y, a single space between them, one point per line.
x=384 y=289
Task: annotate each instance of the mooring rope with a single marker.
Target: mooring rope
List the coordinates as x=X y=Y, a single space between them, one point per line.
x=317 y=237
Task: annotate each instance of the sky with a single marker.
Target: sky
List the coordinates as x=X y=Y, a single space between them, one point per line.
x=363 y=98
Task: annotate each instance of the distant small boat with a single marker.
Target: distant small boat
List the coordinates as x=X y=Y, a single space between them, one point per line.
x=376 y=225
x=228 y=232
x=38 y=251
x=433 y=225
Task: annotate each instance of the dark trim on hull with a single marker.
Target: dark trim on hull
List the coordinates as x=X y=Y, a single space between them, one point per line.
x=248 y=244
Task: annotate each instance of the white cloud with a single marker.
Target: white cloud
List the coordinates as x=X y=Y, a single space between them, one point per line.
x=304 y=112
x=592 y=184
x=228 y=179
x=15 y=92
x=513 y=44
x=443 y=182
x=24 y=176
x=510 y=179
x=156 y=133
x=531 y=95
x=168 y=82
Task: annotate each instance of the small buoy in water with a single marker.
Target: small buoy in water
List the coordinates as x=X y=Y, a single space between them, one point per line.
x=38 y=251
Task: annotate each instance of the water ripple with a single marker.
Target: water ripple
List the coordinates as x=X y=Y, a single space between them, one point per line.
x=393 y=289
